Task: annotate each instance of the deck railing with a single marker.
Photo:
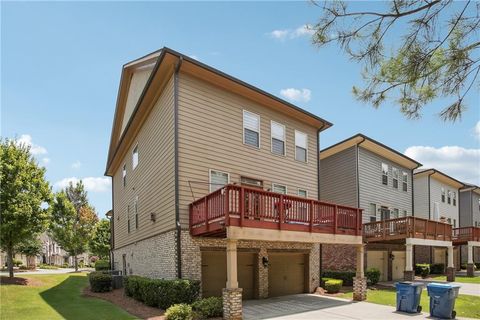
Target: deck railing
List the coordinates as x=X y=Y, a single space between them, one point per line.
x=465 y=234
x=241 y=206
x=406 y=227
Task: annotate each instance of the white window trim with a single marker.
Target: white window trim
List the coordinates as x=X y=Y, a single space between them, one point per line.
x=284 y=139
x=398 y=177
x=210 y=178
x=124 y=175
x=138 y=156
x=279 y=185
x=306 y=144
x=259 y=129
x=298 y=192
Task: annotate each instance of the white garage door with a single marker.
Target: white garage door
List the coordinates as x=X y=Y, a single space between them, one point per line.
x=377 y=259
x=398 y=265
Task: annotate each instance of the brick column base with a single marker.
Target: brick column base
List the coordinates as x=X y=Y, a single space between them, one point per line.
x=470 y=270
x=359 y=289
x=232 y=304
x=450 y=274
x=409 y=275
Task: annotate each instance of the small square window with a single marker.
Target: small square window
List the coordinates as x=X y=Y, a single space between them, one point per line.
x=302 y=193
x=218 y=180
x=135 y=157
x=278 y=188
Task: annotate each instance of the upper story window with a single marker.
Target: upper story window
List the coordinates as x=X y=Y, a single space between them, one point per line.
x=449 y=196
x=301 y=146
x=443 y=194
x=135 y=157
x=395 y=213
x=251 y=129
x=249 y=182
x=218 y=179
x=454 y=198
x=278 y=138
x=278 y=188
x=385 y=173
x=404 y=181
x=302 y=193
x=395 y=177
x=124 y=175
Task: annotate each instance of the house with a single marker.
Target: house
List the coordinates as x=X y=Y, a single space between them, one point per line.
x=362 y=172
x=217 y=180
x=437 y=199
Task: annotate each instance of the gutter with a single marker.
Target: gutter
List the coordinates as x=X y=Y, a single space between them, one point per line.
x=429 y=197
x=177 y=200
x=357 y=169
x=318 y=196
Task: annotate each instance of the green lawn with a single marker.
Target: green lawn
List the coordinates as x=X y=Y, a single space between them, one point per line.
x=461 y=279
x=57 y=297
x=465 y=305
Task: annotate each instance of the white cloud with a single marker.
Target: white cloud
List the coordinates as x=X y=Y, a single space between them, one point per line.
x=45 y=160
x=458 y=162
x=26 y=139
x=279 y=34
x=302 y=95
x=92 y=184
x=77 y=164
x=284 y=34
x=476 y=130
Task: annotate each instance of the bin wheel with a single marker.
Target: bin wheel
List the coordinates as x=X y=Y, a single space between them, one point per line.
x=454 y=314
x=419 y=309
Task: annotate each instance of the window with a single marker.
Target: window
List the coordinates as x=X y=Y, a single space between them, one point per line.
x=395 y=213
x=124 y=175
x=373 y=210
x=135 y=157
x=135 y=211
x=300 y=146
x=385 y=173
x=449 y=220
x=251 y=129
x=302 y=193
x=395 y=177
x=128 y=218
x=449 y=196
x=218 y=179
x=404 y=213
x=373 y=219
x=404 y=181
x=454 y=223
x=278 y=188
x=278 y=138
x=251 y=182
x=443 y=194
x=454 y=198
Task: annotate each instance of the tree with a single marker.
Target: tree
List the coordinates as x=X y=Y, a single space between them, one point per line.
x=73 y=220
x=31 y=248
x=100 y=242
x=24 y=196
x=434 y=51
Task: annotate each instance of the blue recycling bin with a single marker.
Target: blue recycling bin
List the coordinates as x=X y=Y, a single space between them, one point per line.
x=408 y=296
x=442 y=299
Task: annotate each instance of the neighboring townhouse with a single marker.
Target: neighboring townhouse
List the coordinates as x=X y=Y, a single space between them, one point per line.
x=437 y=199
x=216 y=180
x=362 y=172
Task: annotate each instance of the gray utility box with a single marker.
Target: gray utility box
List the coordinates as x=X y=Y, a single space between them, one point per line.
x=117 y=281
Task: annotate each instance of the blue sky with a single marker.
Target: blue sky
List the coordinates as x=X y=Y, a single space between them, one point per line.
x=61 y=66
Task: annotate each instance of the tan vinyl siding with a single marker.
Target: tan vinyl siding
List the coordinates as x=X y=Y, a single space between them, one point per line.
x=152 y=180
x=211 y=137
x=421 y=196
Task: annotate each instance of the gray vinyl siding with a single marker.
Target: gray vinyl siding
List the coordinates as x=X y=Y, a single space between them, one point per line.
x=338 y=178
x=466 y=216
x=373 y=191
x=475 y=209
x=420 y=185
x=446 y=210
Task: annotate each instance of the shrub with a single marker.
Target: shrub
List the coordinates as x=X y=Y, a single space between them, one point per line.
x=179 y=312
x=208 y=308
x=17 y=263
x=346 y=276
x=47 y=266
x=437 y=268
x=100 y=282
x=477 y=265
x=102 y=265
x=333 y=285
x=373 y=276
x=323 y=280
x=422 y=269
x=23 y=268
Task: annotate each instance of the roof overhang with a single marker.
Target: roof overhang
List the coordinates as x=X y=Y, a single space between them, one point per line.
x=440 y=176
x=373 y=146
x=469 y=187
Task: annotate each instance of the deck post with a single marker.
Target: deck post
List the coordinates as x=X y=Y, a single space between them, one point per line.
x=360 y=282
x=450 y=268
x=470 y=265
x=409 y=274
x=226 y=208
x=335 y=220
x=241 y=203
x=232 y=294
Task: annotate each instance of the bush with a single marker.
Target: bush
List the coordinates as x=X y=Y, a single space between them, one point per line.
x=437 y=268
x=179 y=312
x=323 y=280
x=100 y=282
x=17 y=263
x=101 y=265
x=23 y=268
x=346 y=276
x=422 y=269
x=333 y=285
x=161 y=293
x=373 y=276
x=477 y=265
x=208 y=308
x=47 y=266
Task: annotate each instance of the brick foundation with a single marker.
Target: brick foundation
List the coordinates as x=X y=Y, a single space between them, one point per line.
x=409 y=275
x=232 y=304
x=422 y=254
x=359 y=289
x=338 y=257
x=450 y=274
x=470 y=270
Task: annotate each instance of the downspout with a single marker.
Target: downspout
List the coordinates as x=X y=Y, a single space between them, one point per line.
x=413 y=197
x=357 y=169
x=318 y=198
x=177 y=200
x=430 y=212
x=112 y=229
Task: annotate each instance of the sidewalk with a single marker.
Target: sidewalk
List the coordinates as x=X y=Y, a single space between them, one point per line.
x=46 y=271
x=465 y=288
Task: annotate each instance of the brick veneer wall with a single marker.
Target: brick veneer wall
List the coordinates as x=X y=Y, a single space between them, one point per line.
x=464 y=254
x=339 y=257
x=422 y=254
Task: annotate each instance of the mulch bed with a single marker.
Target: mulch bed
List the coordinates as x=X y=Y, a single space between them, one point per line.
x=323 y=292
x=20 y=281
x=128 y=304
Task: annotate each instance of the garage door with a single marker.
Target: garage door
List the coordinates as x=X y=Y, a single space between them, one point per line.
x=377 y=259
x=286 y=273
x=439 y=255
x=214 y=273
x=398 y=265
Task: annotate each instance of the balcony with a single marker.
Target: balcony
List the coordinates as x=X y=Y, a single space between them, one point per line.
x=239 y=206
x=465 y=234
x=406 y=227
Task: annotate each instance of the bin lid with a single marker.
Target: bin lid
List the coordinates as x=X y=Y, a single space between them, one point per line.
x=437 y=285
x=410 y=283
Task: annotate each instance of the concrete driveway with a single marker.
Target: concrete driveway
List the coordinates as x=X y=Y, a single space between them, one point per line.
x=310 y=306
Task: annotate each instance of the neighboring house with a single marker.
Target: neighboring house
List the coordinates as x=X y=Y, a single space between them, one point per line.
x=469 y=206
x=437 y=199
x=362 y=172
x=216 y=180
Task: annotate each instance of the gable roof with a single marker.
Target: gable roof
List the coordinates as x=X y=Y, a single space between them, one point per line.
x=164 y=62
x=373 y=146
x=471 y=187
x=440 y=176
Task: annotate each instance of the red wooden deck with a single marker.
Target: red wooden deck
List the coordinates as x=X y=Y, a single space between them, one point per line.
x=241 y=206
x=465 y=234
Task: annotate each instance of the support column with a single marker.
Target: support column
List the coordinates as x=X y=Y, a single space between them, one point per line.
x=360 y=282
x=232 y=294
x=470 y=265
x=409 y=273
x=450 y=267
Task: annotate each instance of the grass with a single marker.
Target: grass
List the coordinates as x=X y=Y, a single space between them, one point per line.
x=465 y=305
x=461 y=279
x=57 y=296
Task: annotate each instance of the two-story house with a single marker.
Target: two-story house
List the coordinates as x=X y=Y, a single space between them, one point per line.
x=217 y=180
